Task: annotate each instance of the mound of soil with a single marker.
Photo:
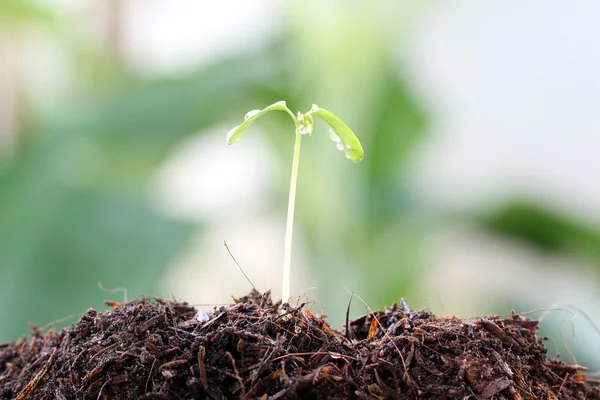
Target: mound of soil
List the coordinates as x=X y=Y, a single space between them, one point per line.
x=254 y=349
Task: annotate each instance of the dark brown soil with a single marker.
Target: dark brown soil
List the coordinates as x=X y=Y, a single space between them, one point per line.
x=162 y=350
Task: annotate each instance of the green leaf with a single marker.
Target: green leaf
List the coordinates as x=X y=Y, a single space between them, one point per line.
x=234 y=134
x=341 y=133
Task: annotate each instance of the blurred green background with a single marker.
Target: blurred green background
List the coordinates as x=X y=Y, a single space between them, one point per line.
x=477 y=192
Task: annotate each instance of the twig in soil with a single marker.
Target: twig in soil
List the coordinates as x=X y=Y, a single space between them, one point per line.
x=97 y=370
x=101 y=389
x=348 y=317
x=104 y=350
x=202 y=367
x=564 y=380
x=37 y=378
x=500 y=334
x=315 y=353
x=237 y=375
x=149 y=376
x=387 y=336
x=236 y=263
x=172 y=364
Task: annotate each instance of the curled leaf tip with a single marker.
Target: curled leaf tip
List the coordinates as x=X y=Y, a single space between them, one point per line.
x=230 y=135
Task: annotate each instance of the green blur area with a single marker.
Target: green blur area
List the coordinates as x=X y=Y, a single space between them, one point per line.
x=75 y=207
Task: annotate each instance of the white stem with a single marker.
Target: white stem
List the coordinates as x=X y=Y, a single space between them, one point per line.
x=287 y=252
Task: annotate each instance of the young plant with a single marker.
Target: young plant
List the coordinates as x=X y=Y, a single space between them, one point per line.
x=339 y=133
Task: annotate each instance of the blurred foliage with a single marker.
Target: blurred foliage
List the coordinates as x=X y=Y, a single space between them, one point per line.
x=545 y=229
x=73 y=200
x=15 y=13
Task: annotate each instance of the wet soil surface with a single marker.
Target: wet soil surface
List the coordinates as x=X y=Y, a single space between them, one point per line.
x=158 y=349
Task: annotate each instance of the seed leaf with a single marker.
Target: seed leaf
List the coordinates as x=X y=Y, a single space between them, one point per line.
x=347 y=138
x=234 y=134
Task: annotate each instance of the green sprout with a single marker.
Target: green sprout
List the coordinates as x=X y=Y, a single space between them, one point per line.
x=338 y=132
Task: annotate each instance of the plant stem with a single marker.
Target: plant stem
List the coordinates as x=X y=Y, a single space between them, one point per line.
x=287 y=252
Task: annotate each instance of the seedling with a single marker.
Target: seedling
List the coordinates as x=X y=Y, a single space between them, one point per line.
x=339 y=132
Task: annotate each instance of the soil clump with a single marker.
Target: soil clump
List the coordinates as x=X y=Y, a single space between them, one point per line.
x=255 y=349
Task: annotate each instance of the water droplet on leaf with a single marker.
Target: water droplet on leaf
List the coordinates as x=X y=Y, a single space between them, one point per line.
x=308 y=123
x=251 y=114
x=334 y=135
x=302 y=129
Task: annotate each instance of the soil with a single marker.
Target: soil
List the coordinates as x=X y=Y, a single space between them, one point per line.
x=258 y=349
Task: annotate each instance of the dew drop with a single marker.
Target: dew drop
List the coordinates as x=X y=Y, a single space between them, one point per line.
x=340 y=146
x=251 y=114
x=302 y=129
x=334 y=135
